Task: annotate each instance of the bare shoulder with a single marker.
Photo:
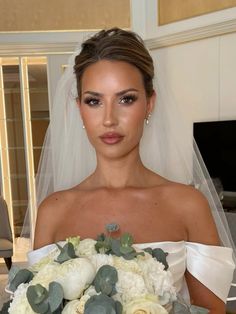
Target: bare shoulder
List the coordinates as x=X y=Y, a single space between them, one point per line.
x=193 y=208
x=49 y=215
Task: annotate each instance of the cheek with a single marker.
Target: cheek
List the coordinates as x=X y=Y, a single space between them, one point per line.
x=89 y=117
x=136 y=117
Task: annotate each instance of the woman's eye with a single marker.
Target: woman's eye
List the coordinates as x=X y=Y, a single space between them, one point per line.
x=129 y=99
x=92 y=102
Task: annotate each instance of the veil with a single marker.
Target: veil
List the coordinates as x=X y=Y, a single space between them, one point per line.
x=167 y=147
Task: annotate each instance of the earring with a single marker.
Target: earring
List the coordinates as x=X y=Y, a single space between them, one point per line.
x=147 y=119
x=83 y=126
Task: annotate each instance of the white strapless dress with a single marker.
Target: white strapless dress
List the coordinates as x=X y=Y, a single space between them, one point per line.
x=212 y=265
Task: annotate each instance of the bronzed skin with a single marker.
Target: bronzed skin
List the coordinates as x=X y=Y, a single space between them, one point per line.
x=121 y=189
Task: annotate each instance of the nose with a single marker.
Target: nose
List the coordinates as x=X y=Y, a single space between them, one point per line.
x=110 y=115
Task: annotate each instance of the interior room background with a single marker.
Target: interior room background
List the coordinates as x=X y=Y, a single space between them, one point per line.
x=196 y=45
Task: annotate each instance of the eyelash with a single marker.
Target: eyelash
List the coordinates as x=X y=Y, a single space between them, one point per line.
x=124 y=100
x=92 y=102
x=128 y=99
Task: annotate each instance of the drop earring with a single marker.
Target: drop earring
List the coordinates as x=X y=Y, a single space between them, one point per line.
x=147 y=119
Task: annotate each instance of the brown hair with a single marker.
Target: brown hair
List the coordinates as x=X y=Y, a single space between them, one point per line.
x=118 y=45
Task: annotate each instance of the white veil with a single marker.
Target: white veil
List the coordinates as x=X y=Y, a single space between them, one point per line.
x=166 y=147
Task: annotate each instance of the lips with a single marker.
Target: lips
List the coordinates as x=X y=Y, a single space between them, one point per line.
x=111 y=138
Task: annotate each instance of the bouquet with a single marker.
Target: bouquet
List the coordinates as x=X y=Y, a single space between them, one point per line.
x=103 y=276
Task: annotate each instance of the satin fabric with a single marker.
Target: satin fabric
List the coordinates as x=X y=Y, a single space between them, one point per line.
x=212 y=265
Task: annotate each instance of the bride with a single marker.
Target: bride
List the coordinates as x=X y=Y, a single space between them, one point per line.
x=115 y=105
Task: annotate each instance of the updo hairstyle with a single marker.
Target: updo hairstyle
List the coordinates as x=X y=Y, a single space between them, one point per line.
x=118 y=45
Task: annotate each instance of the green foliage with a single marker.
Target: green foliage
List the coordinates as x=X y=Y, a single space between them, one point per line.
x=102 y=304
x=112 y=227
x=74 y=240
x=5 y=307
x=180 y=307
x=67 y=252
x=105 y=280
x=43 y=301
x=119 y=247
x=12 y=272
x=198 y=310
x=159 y=255
x=103 y=244
x=21 y=276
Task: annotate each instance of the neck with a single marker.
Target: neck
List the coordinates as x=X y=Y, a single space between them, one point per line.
x=126 y=171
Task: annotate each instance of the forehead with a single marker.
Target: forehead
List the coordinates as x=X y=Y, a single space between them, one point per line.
x=110 y=73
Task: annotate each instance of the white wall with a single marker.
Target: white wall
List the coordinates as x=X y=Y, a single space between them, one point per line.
x=202 y=76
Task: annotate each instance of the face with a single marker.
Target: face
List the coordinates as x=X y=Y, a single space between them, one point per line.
x=113 y=107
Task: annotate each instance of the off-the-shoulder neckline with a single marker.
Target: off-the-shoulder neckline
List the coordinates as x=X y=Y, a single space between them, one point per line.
x=179 y=243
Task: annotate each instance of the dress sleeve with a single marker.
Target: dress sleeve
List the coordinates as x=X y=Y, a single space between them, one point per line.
x=212 y=265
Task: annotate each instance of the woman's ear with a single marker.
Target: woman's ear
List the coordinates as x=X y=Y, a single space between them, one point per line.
x=151 y=103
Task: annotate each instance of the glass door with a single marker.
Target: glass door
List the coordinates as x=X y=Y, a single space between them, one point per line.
x=24 y=117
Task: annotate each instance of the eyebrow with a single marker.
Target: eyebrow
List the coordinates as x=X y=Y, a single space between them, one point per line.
x=117 y=94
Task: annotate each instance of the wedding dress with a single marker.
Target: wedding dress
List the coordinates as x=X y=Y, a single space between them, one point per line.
x=166 y=148
x=213 y=266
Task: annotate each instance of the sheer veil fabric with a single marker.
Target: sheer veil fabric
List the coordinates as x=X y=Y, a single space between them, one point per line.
x=167 y=147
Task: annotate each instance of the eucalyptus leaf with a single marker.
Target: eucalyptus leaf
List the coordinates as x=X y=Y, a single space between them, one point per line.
x=101 y=237
x=100 y=304
x=22 y=276
x=126 y=239
x=43 y=301
x=12 y=272
x=130 y=256
x=106 y=279
x=198 y=310
x=41 y=294
x=119 y=307
x=34 y=293
x=55 y=297
x=126 y=249
x=179 y=308
x=115 y=246
x=67 y=252
x=159 y=254
x=103 y=244
x=5 y=307
x=148 y=250
x=112 y=227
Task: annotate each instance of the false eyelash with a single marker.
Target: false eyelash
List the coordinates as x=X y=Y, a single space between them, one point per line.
x=88 y=101
x=130 y=97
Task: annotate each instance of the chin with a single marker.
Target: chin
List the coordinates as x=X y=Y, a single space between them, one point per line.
x=116 y=151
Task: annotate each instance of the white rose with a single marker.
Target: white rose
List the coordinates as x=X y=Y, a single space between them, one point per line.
x=20 y=304
x=130 y=285
x=86 y=247
x=75 y=275
x=144 y=305
x=76 y=306
x=99 y=260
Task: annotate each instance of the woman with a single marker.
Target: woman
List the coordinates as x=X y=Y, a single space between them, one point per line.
x=116 y=99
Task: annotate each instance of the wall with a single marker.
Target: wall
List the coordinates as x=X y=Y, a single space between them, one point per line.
x=177 y=10
x=54 y=15
x=202 y=76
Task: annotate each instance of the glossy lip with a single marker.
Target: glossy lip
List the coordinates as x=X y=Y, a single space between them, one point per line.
x=111 y=138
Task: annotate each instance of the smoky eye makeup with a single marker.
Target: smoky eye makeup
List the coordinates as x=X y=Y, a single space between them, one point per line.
x=92 y=101
x=128 y=99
